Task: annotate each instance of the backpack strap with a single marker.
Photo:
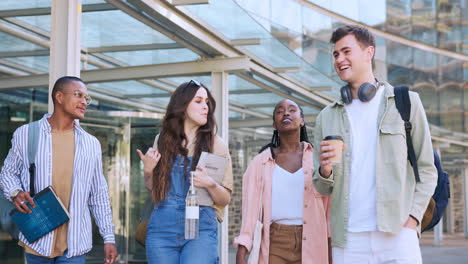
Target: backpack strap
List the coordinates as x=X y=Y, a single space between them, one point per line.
x=33 y=141
x=403 y=104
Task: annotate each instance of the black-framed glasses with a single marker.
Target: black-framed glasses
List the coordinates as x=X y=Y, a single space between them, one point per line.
x=79 y=94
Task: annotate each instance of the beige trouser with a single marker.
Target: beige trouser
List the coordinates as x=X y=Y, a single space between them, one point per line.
x=285 y=244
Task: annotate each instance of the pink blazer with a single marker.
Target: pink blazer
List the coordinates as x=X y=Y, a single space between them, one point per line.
x=316 y=211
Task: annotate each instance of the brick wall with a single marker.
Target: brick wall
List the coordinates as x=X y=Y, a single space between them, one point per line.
x=457 y=197
x=242 y=150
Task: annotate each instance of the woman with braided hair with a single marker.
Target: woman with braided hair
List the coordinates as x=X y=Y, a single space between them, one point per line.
x=294 y=214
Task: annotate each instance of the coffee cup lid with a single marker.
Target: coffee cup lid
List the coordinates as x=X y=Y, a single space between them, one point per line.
x=333 y=137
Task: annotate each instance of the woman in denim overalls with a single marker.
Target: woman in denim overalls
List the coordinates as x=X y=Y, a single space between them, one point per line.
x=187 y=130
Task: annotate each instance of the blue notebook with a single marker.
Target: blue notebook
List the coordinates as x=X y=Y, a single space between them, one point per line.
x=49 y=214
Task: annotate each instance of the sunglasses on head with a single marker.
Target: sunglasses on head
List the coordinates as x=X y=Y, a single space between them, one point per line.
x=197 y=83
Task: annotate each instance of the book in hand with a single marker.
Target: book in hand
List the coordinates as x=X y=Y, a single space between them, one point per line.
x=215 y=166
x=48 y=214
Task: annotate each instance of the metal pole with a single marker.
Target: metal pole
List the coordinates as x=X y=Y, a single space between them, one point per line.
x=64 y=41
x=465 y=196
x=438 y=233
x=219 y=88
x=438 y=229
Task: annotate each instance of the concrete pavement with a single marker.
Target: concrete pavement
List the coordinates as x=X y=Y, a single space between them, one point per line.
x=454 y=249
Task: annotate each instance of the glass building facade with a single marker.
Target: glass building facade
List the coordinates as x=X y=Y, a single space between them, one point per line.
x=133 y=53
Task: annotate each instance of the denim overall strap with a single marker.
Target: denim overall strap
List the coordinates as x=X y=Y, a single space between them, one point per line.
x=180 y=182
x=165 y=241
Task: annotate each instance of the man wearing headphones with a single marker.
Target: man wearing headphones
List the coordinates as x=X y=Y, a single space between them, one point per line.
x=377 y=204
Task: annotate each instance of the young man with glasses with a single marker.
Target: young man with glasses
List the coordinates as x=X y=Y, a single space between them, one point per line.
x=69 y=160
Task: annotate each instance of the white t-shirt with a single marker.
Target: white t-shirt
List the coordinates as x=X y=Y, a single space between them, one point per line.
x=362 y=195
x=287 y=196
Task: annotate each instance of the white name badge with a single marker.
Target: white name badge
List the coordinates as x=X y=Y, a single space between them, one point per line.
x=192 y=212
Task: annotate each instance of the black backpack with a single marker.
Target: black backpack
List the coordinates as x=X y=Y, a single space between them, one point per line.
x=439 y=200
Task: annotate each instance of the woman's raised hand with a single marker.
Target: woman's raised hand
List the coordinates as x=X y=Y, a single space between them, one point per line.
x=150 y=159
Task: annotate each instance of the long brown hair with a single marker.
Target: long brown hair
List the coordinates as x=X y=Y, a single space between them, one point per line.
x=172 y=136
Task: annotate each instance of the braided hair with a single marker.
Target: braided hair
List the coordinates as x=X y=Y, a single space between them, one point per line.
x=275 y=140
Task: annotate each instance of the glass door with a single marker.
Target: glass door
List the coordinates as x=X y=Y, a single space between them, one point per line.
x=120 y=134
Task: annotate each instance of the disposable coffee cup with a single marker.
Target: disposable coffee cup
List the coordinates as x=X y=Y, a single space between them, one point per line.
x=337 y=142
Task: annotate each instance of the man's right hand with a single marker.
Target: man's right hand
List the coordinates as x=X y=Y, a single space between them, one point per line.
x=150 y=159
x=240 y=257
x=20 y=202
x=327 y=151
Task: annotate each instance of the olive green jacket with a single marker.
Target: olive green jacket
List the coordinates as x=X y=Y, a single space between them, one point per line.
x=398 y=194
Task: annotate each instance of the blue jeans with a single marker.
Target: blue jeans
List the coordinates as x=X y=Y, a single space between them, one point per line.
x=165 y=241
x=33 y=259
x=165 y=236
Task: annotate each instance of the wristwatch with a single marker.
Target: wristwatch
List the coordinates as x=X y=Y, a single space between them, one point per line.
x=14 y=193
